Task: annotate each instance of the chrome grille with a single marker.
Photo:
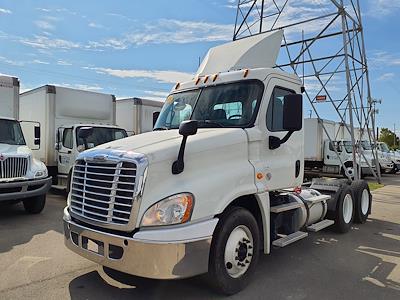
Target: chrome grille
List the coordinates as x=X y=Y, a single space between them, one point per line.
x=13 y=167
x=103 y=191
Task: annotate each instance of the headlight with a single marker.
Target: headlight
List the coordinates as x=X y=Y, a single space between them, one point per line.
x=41 y=173
x=176 y=209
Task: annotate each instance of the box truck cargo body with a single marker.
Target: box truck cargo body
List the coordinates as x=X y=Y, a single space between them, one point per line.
x=22 y=177
x=9 y=97
x=61 y=112
x=137 y=115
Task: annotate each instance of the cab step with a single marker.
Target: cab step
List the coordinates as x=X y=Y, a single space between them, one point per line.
x=320 y=225
x=317 y=199
x=284 y=207
x=58 y=187
x=289 y=239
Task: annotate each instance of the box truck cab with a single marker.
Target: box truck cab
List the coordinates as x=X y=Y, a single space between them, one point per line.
x=386 y=161
x=213 y=185
x=62 y=112
x=22 y=177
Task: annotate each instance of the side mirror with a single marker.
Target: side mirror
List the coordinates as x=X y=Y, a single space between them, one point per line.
x=155 y=117
x=186 y=129
x=292 y=119
x=293 y=112
x=85 y=132
x=37 y=136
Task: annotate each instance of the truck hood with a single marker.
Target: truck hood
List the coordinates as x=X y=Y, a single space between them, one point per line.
x=163 y=145
x=19 y=150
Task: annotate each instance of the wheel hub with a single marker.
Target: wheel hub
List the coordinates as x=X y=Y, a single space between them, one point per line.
x=238 y=251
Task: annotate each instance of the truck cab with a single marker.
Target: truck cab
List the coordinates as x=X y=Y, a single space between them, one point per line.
x=386 y=162
x=216 y=182
x=69 y=144
x=22 y=178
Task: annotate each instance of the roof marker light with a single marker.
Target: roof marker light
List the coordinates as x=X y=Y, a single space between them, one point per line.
x=215 y=77
x=246 y=72
x=177 y=86
x=197 y=80
x=206 y=79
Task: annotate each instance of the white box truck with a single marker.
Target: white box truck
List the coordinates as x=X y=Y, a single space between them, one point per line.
x=22 y=177
x=137 y=115
x=325 y=156
x=215 y=184
x=62 y=113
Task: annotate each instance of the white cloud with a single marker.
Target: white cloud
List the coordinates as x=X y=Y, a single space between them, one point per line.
x=379 y=59
x=44 y=25
x=95 y=25
x=380 y=8
x=44 y=42
x=63 y=63
x=160 y=76
x=5 y=11
x=37 y=61
x=386 y=76
x=168 y=31
x=157 y=94
x=11 y=62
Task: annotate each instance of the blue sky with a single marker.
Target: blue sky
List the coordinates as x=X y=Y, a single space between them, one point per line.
x=140 y=48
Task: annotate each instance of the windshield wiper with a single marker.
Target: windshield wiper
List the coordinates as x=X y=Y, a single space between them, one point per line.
x=160 y=129
x=211 y=122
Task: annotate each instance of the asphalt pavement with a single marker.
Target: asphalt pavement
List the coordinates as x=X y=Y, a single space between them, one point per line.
x=362 y=264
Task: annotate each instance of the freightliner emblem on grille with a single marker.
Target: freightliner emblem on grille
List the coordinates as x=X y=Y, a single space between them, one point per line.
x=2 y=157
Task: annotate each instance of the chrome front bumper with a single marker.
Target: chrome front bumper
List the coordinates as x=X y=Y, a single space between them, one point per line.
x=168 y=253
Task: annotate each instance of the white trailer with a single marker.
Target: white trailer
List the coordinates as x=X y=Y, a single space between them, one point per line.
x=137 y=115
x=216 y=184
x=62 y=112
x=328 y=157
x=22 y=177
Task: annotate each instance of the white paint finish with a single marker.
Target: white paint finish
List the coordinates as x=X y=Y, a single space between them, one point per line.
x=187 y=232
x=243 y=54
x=9 y=98
x=315 y=137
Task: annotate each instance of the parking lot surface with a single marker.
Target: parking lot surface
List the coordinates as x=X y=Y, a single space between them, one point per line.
x=363 y=264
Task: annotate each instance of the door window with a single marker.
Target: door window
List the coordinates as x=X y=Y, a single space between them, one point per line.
x=275 y=109
x=67 y=138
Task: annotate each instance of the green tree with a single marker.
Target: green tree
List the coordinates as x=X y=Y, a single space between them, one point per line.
x=387 y=136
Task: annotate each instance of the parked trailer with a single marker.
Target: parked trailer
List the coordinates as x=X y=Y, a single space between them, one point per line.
x=213 y=194
x=62 y=113
x=326 y=156
x=22 y=177
x=137 y=115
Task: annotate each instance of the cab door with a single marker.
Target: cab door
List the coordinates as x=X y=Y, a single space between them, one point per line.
x=65 y=155
x=283 y=167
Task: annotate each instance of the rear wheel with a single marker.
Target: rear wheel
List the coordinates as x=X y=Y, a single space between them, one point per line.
x=345 y=210
x=34 y=205
x=362 y=200
x=234 y=251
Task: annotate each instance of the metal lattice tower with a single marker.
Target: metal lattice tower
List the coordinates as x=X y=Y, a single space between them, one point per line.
x=323 y=44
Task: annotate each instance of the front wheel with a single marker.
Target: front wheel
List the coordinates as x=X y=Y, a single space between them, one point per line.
x=234 y=251
x=34 y=205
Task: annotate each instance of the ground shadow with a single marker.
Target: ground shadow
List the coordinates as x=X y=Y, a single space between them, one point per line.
x=18 y=227
x=327 y=265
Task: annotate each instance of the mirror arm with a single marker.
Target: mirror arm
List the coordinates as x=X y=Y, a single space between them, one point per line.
x=179 y=165
x=275 y=142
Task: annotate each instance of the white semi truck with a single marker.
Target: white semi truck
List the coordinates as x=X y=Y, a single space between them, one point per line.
x=215 y=184
x=63 y=113
x=22 y=177
x=323 y=155
x=137 y=115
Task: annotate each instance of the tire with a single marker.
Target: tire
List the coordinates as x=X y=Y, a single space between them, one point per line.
x=362 y=200
x=344 y=210
x=234 y=251
x=35 y=205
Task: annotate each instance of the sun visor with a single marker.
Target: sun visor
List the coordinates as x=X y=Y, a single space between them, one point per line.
x=259 y=51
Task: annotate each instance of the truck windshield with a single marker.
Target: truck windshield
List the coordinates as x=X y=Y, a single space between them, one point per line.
x=226 y=105
x=102 y=135
x=366 y=145
x=11 y=133
x=348 y=146
x=384 y=148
